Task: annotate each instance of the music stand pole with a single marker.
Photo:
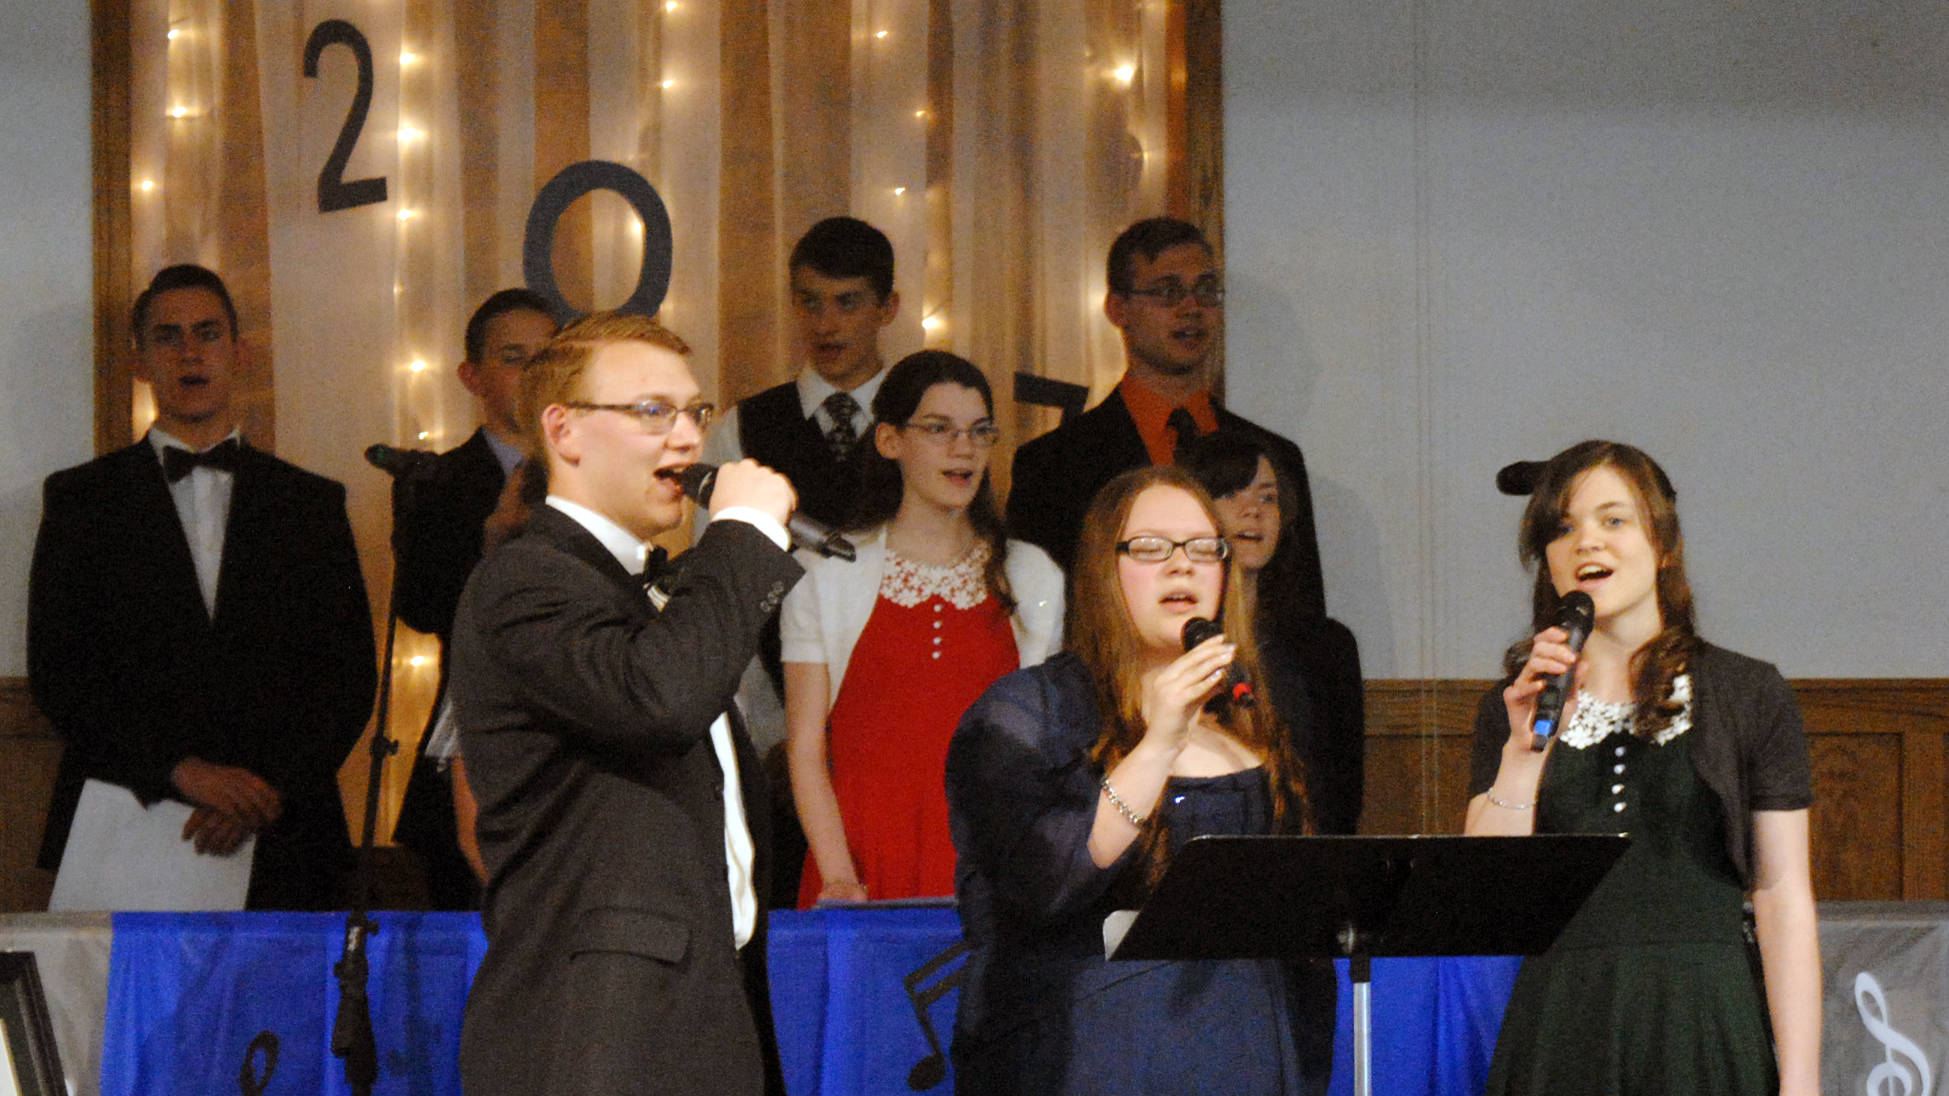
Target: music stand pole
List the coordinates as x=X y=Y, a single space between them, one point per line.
x=1360 y=971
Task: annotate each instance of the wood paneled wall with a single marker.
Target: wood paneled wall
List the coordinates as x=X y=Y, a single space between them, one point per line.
x=1880 y=754
x=29 y=752
x=1881 y=778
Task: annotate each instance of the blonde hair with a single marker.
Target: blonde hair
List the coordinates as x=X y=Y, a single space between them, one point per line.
x=554 y=374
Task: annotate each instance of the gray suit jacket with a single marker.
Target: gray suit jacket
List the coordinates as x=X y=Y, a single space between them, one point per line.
x=585 y=719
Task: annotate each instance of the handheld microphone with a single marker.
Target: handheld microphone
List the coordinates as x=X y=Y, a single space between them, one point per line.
x=1573 y=615
x=399 y=463
x=700 y=479
x=1234 y=686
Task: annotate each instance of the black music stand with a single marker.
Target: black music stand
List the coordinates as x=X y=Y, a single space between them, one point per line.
x=1361 y=897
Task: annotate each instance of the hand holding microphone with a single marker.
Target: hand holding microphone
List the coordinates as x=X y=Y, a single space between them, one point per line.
x=1574 y=615
x=748 y=483
x=1234 y=685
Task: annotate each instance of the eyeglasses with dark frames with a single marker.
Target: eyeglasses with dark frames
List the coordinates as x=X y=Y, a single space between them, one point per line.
x=656 y=416
x=1152 y=549
x=1207 y=291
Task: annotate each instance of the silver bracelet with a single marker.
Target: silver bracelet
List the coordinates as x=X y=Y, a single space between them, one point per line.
x=1122 y=808
x=1507 y=805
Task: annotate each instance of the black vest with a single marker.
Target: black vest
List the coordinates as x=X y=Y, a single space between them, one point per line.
x=773 y=431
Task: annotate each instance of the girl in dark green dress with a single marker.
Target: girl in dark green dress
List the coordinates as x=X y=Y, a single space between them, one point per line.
x=1698 y=754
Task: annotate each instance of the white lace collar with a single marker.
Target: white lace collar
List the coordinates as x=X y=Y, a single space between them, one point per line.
x=962 y=584
x=1597 y=720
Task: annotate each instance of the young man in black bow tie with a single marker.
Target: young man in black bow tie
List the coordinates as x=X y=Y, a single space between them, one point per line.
x=620 y=799
x=197 y=623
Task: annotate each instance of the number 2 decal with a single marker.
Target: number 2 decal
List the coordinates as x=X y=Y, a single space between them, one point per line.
x=334 y=192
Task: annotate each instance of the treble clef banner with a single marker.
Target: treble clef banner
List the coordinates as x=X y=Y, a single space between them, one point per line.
x=1905 y=1065
x=1885 y=1016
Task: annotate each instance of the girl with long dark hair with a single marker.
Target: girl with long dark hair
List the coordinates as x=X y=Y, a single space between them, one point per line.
x=883 y=654
x=1698 y=754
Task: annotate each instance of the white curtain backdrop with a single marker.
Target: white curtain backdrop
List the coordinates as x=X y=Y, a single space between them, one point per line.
x=1001 y=144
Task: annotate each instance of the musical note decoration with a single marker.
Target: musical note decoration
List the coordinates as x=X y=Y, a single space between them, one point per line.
x=1882 y=1079
x=250 y=1081
x=932 y=1070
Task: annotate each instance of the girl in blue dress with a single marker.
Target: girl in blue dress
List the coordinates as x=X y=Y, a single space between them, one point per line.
x=1069 y=786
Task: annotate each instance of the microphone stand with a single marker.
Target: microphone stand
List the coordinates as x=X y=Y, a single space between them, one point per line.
x=352 y=1027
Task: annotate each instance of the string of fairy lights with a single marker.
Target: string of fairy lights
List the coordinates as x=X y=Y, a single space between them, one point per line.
x=425 y=401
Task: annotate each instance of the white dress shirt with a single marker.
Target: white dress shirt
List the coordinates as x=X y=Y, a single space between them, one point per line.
x=721 y=445
x=203 y=506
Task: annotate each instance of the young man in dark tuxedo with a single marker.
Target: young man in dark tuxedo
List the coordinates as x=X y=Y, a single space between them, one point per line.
x=620 y=798
x=197 y=622
x=438 y=513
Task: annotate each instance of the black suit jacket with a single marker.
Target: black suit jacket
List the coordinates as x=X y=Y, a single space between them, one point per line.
x=136 y=675
x=1057 y=475
x=438 y=515
x=585 y=718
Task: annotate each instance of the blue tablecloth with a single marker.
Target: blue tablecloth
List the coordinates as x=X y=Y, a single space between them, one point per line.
x=203 y=1003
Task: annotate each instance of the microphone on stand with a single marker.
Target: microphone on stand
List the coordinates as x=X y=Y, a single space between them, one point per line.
x=700 y=479
x=1234 y=686
x=1573 y=615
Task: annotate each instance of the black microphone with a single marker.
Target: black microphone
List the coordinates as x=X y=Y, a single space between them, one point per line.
x=1234 y=686
x=699 y=480
x=1573 y=615
x=399 y=463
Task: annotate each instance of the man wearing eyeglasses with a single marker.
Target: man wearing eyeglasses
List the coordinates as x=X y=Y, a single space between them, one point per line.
x=620 y=800
x=438 y=514
x=1167 y=299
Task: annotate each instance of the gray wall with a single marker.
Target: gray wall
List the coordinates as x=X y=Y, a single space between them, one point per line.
x=46 y=279
x=1462 y=234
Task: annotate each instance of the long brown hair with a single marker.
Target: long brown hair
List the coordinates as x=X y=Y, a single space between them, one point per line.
x=1101 y=632
x=1658 y=663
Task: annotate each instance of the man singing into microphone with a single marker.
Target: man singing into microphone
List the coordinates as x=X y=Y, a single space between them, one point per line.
x=625 y=939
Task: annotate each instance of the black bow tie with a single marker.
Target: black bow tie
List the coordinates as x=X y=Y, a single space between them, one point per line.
x=223 y=457
x=653 y=566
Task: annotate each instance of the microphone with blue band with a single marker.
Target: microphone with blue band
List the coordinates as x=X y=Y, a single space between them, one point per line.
x=1573 y=614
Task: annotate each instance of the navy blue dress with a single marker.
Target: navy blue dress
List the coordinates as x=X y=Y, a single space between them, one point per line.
x=1042 y=1011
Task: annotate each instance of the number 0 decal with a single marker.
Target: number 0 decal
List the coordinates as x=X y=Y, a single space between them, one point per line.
x=575 y=180
x=334 y=192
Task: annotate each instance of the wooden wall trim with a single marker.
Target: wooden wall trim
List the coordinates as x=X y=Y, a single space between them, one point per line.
x=112 y=223
x=1868 y=705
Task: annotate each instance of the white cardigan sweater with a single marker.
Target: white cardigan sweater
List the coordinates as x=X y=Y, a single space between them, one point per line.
x=825 y=613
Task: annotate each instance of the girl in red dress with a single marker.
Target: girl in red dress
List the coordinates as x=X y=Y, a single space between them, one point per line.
x=883 y=654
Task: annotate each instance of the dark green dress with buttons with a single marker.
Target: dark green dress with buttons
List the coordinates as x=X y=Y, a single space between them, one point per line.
x=1650 y=989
